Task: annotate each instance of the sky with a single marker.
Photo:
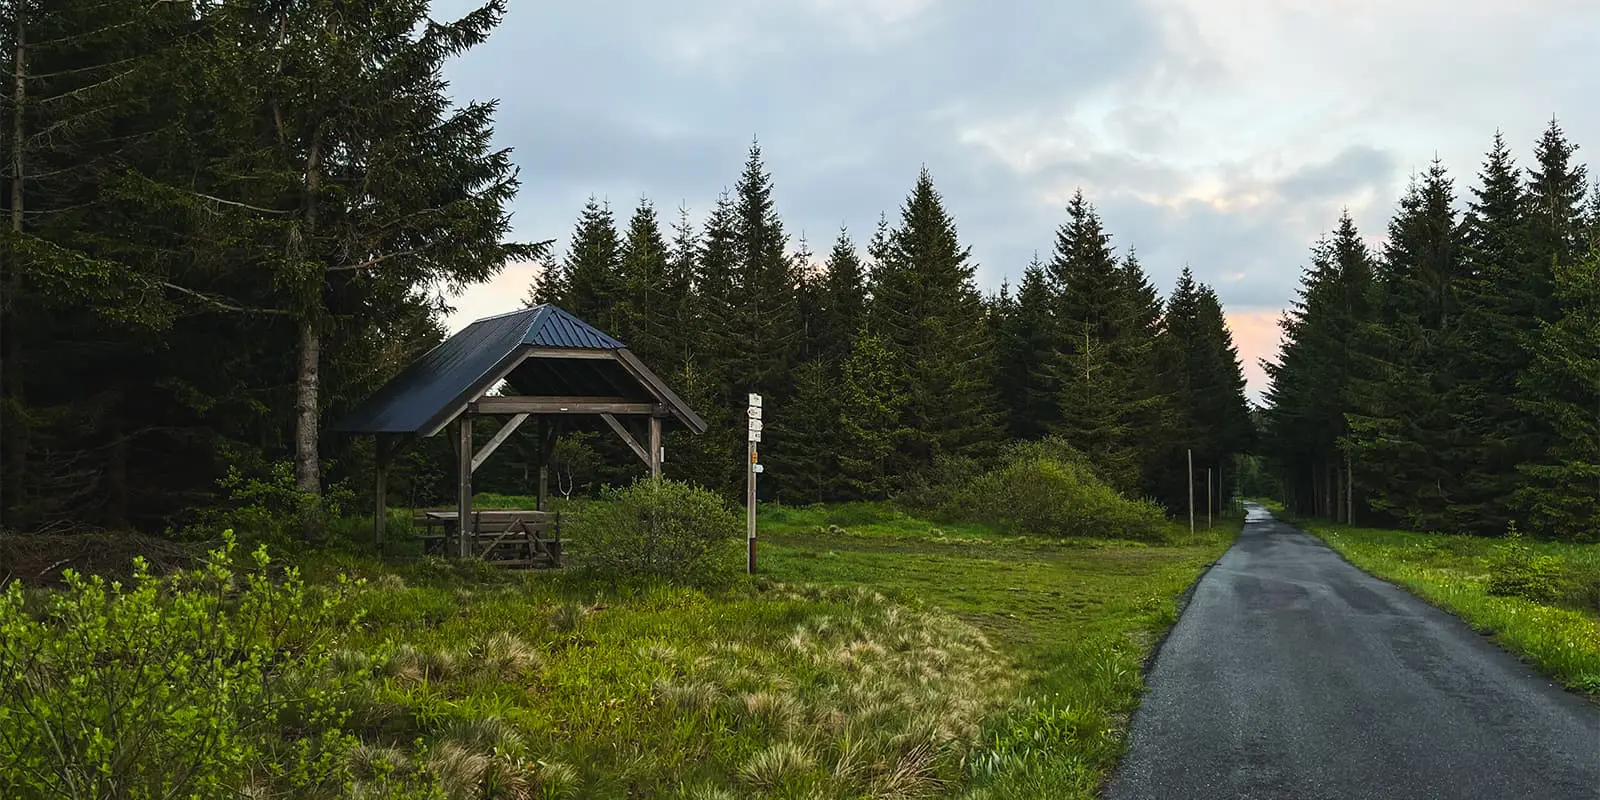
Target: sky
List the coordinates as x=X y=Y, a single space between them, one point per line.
x=1225 y=135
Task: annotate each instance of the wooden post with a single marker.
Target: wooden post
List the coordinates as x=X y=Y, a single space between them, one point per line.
x=1349 y=491
x=380 y=490
x=750 y=512
x=544 y=464
x=1209 y=501
x=1191 y=491
x=464 y=486
x=655 y=447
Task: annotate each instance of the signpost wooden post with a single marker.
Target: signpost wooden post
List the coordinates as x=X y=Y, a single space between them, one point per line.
x=751 y=468
x=1191 y=492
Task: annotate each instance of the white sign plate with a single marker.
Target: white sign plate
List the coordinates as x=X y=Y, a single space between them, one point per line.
x=754 y=412
x=755 y=426
x=755 y=400
x=755 y=436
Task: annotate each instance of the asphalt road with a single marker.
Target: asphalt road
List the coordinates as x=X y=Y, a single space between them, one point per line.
x=1294 y=676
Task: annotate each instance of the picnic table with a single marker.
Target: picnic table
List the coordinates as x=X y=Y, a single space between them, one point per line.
x=503 y=537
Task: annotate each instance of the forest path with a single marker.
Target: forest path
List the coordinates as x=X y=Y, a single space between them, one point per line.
x=1293 y=674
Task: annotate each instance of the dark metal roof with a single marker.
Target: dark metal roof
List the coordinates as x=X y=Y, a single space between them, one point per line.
x=434 y=388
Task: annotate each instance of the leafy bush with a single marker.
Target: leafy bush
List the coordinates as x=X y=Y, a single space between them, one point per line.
x=192 y=686
x=1518 y=571
x=272 y=509
x=660 y=528
x=1048 y=489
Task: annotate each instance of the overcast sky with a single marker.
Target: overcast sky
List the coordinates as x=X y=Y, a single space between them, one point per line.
x=1225 y=134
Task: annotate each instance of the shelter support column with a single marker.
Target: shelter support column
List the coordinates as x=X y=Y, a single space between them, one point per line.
x=544 y=463
x=385 y=448
x=464 y=486
x=655 y=447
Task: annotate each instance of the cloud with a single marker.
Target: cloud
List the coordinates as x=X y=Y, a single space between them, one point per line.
x=1225 y=134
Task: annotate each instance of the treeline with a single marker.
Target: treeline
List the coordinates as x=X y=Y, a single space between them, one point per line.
x=223 y=222
x=1451 y=382
x=228 y=222
x=885 y=369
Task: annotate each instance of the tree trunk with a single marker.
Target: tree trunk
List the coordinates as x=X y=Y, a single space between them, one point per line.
x=307 y=469
x=307 y=453
x=13 y=431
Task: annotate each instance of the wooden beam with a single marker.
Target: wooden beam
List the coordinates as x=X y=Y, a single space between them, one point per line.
x=659 y=388
x=570 y=352
x=627 y=437
x=561 y=405
x=499 y=438
x=655 y=447
x=464 y=486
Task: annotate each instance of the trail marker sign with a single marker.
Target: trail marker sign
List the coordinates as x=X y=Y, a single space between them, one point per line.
x=753 y=412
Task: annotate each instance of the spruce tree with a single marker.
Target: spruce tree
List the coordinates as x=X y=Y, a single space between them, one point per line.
x=1025 y=353
x=843 y=304
x=872 y=405
x=762 y=333
x=1105 y=320
x=592 y=270
x=645 y=311
x=1402 y=435
x=1499 y=307
x=802 y=449
x=1313 y=381
x=1561 y=389
x=926 y=307
x=683 y=314
x=1556 y=223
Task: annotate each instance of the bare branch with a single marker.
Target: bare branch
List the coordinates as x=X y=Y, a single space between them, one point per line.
x=224 y=305
x=372 y=262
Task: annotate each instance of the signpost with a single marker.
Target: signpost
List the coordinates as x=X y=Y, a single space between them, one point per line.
x=751 y=468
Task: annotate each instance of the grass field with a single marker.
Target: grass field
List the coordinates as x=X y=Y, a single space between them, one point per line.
x=1560 y=635
x=874 y=655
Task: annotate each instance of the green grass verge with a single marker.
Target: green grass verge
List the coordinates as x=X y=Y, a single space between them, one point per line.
x=1451 y=571
x=1076 y=619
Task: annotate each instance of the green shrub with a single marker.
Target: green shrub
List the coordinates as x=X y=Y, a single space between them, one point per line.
x=1518 y=571
x=1580 y=584
x=1047 y=489
x=203 y=684
x=660 y=528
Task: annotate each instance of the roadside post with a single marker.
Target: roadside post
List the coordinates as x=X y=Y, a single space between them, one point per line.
x=1191 y=493
x=752 y=467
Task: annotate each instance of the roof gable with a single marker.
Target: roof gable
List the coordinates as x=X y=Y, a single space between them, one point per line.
x=434 y=388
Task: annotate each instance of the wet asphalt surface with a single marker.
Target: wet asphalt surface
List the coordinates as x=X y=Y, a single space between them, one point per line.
x=1293 y=675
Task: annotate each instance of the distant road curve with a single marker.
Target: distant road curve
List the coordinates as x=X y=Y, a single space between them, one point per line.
x=1294 y=676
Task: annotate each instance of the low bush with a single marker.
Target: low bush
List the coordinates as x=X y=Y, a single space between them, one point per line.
x=1580 y=585
x=660 y=528
x=1048 y=489
x=1517 y=570
x=190 y=686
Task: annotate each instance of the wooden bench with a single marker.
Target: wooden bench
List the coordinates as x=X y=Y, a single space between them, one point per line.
x=507 y=538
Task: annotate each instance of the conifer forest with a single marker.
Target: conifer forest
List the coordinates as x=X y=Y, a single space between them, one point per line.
x=208 y=256
x=229 y=225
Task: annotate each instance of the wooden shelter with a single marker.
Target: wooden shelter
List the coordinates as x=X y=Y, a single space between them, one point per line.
x=553 y=365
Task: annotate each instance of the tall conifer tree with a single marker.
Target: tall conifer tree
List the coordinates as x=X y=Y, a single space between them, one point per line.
x=927 y=307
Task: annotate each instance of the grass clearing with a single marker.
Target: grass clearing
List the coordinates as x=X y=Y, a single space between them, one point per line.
x=876 y=655
x=1076 y=618
x=1561 y=637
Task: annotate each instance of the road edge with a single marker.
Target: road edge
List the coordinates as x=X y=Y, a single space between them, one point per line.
x=1181 y=602
x=1491 y=636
